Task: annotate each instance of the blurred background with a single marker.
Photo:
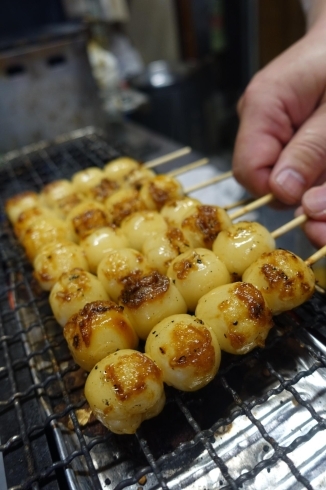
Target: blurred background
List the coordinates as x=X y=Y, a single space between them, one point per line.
x=176 y=67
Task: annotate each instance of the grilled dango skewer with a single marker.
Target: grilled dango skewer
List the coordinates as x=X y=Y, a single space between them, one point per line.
x=122 y=204
x=161 y=249
x=148 y=299
x=116 y=265
x=159 y=190
x=87 y=178
x=238 y=315
x=137 y=177
x=101 y=241
x=72 y=291
x=56 y=190
x=97 y=330
x=85 y=218
x=119 y=168
x=195 y=272
x=55 y=258
x=241 y=244
x=64 y=205
x=187 y=351
x=140 y=226
x=201 y=225
x=102 y=190
x=27 y=217
x=174 y=210
x=19 y=203
x=124 y=389
x=43 y=230
x=283 y=278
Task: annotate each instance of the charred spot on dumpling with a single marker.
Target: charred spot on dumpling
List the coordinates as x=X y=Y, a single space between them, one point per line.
x=89 y=221
x=125 y=387
x=253 y=299
x=139 y=288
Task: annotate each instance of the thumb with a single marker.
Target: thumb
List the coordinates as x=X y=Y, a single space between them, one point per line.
x=315 y=226
x=302 y=163
x=314 y=203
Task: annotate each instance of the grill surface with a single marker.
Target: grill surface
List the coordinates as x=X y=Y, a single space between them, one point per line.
x=260 y=422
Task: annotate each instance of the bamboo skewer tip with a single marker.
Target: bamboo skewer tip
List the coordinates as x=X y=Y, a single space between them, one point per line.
x=316 y=256
x=188 y=167
x=168 y=157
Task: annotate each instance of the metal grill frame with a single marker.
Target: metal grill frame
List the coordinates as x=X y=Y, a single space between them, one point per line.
x=224 y=436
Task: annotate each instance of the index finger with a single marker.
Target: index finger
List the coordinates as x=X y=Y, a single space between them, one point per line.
x=263 y=131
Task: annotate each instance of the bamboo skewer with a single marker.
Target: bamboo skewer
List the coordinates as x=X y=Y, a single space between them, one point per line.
x=254 y=205
x=320 y=289
x=186 y=168
x=312 y=260
x=316 y=256
x=236 y=204
x=289 y=226
x=320 y=254
x=168 y=157
x=213 y=180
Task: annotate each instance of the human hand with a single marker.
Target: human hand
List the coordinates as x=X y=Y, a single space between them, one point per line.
x=281 y=142
x=314 y=206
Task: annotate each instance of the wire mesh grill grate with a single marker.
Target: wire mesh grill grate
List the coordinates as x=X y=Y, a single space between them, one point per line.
x=259 y=423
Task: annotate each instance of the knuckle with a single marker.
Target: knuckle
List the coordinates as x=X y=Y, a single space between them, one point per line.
x=252 y=90
x=312 y=148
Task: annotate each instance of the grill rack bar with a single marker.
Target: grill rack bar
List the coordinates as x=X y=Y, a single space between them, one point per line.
x=34 y=168
x=39 y=387
x=247 y=407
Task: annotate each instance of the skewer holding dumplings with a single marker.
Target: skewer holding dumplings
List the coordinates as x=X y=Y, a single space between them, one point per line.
x=157 y=191
x=148 y=299
x=161 y=249
x=102 y=190
x=241 y=244
x=141 y=226
x=155 y=288
x=101 y=241
x=97 y=330
x=202 y=225
x=241 y=313
x=85 y=179
x=124 y=389
x=195 y=272
x=238 y=315
x=55 y=258
x=42 y=230
x=55 y=191
x=174 y=210
x=85 y=218
x=283 y=278
x=29 y=216
x=186 y=350
x=136 y=178
x=122 y=204
x=244 y=241
x=65 y=204
x=19 y=203
x=119 y=168
x=117 y=265
x=72 y=291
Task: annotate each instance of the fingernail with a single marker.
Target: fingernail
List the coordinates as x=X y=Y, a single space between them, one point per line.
x=291 y=182
x=315 y=201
